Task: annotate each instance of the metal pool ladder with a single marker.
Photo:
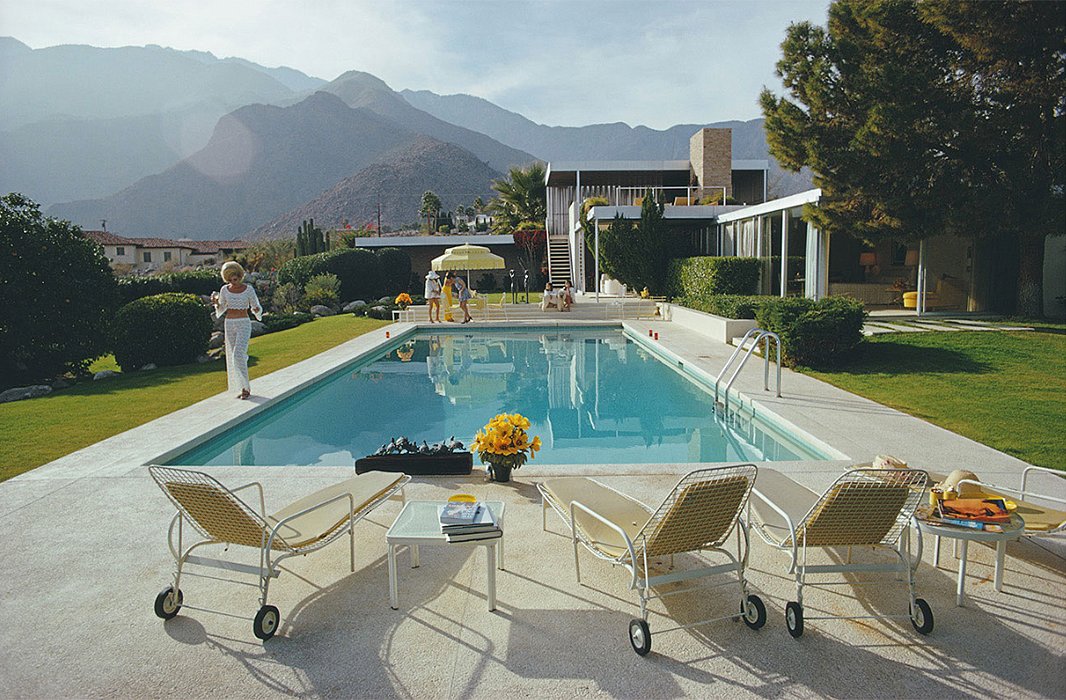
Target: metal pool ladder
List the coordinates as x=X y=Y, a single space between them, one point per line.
x=760 y=336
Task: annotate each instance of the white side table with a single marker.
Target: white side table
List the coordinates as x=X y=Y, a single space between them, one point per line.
x=418 y=524
x=964 y=536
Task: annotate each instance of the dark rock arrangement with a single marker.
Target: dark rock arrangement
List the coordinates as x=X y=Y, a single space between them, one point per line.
x=403 y=446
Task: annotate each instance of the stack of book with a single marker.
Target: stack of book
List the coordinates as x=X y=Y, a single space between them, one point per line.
x=468 y=522
x=977 y=513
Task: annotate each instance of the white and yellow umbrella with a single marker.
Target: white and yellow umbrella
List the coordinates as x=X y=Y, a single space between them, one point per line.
x=467 y=257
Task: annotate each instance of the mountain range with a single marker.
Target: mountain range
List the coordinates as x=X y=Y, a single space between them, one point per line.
x=172 y=143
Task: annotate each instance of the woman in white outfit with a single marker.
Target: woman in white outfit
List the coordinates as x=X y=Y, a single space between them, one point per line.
x=235 y=300
x=433 y=291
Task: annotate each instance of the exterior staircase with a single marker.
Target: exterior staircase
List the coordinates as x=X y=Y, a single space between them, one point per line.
x=559 y=261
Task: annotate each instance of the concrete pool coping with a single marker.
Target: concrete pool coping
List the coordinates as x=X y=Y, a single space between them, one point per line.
x=90 y=555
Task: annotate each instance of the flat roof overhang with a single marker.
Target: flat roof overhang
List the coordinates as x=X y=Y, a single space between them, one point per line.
x=595 y=172
x=445 y=240
x=773 y=206
x=685 y=213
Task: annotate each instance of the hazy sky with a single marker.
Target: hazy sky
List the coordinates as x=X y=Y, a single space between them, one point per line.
x=568 y=62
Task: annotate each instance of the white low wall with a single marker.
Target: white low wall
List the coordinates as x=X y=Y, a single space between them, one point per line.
x=716 y=327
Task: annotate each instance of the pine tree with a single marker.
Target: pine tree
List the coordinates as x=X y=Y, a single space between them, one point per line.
x=920 y=119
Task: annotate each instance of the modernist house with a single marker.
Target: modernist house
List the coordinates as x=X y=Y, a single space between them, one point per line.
x=147 y=254
x=941 y=273
x=696 y=191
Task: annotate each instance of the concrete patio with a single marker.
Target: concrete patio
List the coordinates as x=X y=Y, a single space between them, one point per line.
x=88 y=555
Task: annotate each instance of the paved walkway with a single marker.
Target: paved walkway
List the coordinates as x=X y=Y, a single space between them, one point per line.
x=87 y=557
x=879 y=325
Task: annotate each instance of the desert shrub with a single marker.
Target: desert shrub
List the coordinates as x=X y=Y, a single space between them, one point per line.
x=164 y=329
x=281 y=322
x=286 y=298
x=322 y=289
x=395 y=266
x=704 y=276
x=58 y=295
x=727 y=305
x=814 y=334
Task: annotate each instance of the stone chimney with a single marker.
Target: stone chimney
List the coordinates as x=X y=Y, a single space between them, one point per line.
x=711 y=158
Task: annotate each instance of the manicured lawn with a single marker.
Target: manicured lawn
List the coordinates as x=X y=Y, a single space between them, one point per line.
x=37 y=431
x=1006 y=390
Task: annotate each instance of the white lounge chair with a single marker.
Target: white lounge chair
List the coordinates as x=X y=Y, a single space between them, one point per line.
x=699 y=515
x=302 y=527
x=864 y=507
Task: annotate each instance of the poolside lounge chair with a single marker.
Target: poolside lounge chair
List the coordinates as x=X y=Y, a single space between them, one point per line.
x=864 y=507
x=302 y=527
x=700 y=513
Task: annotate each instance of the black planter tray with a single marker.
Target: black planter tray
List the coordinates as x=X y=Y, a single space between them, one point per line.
x=418 y=465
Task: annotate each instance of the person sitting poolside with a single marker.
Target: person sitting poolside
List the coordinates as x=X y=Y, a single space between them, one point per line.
x=551 y=298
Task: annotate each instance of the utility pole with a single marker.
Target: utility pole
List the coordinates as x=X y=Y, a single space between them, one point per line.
x=379 y=217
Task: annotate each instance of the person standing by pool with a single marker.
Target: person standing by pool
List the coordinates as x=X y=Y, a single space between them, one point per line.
x=235 y=300
x=433 y=295
x=448 y=289
x=463 y=293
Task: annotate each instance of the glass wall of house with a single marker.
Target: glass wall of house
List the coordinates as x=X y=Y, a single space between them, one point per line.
x=887 y=274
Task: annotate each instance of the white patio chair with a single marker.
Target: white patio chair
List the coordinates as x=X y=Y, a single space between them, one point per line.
x=302 y=527
x=699 y=515
x=864 y=507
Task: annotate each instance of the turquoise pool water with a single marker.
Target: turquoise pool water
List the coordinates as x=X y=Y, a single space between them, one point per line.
x=594 y=396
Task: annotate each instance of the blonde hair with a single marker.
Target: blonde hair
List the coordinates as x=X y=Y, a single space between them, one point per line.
x=232 y=267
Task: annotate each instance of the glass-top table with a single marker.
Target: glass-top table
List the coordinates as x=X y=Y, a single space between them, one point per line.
x=418 y=524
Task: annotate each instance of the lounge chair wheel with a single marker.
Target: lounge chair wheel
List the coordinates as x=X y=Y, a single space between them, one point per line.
x=922 y=616
x=794 y=619
x=266 y=622
x=753 y=612
x=166 y=604
x=640 y=636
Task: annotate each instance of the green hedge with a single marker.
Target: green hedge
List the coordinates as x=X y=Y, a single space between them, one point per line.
x=395 y=266
x=281 y=322
x=164 y=329
x=201 y=282
x=814 y=334
x=358 y=270
x=702 y=277
x=726 y=305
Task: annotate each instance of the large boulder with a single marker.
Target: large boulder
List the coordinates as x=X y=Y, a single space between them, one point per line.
x=25 y=392
x=104 y=374
x=320 y=310
x=258 y=328
x=382 y=313
x=385 y=300
x=351 y=306
x=218 y=339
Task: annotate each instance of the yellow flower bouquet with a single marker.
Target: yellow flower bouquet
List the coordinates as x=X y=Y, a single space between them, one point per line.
x=504 y=444
x=403 y=300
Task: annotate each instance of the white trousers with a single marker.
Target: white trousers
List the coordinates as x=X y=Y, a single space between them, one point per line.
x=238 y=331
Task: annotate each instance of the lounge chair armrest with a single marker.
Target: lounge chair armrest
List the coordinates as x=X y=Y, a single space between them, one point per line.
x=1040 y=470
x=605 y=521
x=262 y=499
x=305 y=511
x=788 y=519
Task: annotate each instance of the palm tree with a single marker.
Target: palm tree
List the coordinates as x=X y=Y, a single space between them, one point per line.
x=522 y=197
x=430 y=209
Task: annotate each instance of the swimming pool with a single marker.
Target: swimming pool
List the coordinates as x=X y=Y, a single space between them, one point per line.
x=593 y=395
